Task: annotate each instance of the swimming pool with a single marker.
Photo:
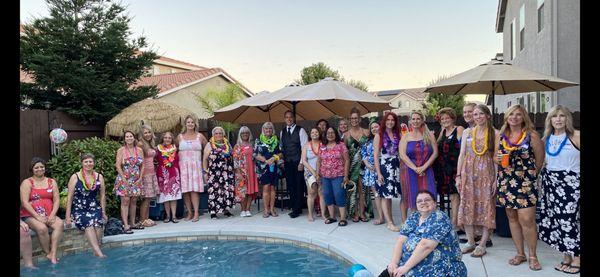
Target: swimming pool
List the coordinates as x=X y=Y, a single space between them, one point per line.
x=197 y=258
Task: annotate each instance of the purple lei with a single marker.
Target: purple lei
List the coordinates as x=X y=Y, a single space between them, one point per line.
x=507 y=139
x=391 y=147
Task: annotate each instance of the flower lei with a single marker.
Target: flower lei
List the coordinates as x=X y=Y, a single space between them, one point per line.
x=271 y=142
x=221 y=147
x=509 y=146
x=403 y=128
x=560 y=147
x=168 y=154
x=88 y=186
x=485 y=139
x=389 y=145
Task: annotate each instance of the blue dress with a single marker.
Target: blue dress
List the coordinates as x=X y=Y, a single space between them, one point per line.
x=86 y=210
x=445 y=259
x=369 y=177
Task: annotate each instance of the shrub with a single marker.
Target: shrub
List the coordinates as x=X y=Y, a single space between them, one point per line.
x=62 y=166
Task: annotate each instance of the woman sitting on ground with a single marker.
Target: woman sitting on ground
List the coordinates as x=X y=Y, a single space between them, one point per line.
x=427 y=245
x=40 y=200
x=83 y=207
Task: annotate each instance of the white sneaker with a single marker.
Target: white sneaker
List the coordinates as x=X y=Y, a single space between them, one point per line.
x=248 y=214
x=243 y=214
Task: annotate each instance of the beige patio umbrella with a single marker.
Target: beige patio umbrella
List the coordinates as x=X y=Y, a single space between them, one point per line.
x=161 y=116
x=312 y=102
x=497 y=77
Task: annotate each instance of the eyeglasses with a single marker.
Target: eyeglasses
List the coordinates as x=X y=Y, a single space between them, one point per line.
x=423 y=201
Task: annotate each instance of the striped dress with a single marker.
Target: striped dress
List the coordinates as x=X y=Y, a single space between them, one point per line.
x=419 y=153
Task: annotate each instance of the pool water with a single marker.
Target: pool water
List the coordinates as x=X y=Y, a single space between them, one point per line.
x=197 y=258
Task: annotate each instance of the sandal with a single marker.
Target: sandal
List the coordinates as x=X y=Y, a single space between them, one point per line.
x=148 y=223
x=265 y=215
x=562 y=263
x=166 y=220
x=356 y=219
x=365 y=219
x=330 y=220
x=378 y=221
x=274 y=214
x=127 y=231
x=534 y=264
x=392 y=227
x=469 y=248
x=137 y=226
x=517 y=260
x=478 y=252
x=343 y=222
x=576 y=267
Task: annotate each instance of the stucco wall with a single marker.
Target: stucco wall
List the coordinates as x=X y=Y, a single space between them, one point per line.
x=404 y=110
x=538 y=55
x=188 y=97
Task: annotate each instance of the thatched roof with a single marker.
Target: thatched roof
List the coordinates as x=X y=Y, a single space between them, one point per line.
x=161 y=116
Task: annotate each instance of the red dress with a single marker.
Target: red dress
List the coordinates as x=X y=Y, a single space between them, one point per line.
x=40 y=199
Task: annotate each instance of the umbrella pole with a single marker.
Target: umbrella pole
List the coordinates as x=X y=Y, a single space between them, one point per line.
x=493 y=100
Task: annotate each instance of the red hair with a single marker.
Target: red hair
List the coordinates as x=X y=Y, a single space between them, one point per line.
x=382 y=127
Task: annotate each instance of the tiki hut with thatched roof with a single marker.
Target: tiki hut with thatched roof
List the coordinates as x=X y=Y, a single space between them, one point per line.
x=161 y=116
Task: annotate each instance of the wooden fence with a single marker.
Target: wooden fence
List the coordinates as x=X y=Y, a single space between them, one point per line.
x=35 y=127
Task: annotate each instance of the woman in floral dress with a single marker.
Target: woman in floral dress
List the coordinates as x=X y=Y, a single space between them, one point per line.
x=520 y=155
x=189 y=143
x=437 y=253
x=219 y=174
x=167 y=172
x=558 y=223
x=387 y=162
x=149 y=181
x=246 y=183
x=83 y=207
x=446 y=163
x=128 y=184
x=358 y=200
x=267 y=154
x=369 y=175
x=476 y=181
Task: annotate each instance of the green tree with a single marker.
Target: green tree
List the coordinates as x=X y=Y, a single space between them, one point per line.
x=216 y=98
x=319 y=71
x=83 y=60
x=436 y=101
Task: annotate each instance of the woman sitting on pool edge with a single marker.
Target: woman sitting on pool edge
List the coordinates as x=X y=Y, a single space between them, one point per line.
x=427 y=245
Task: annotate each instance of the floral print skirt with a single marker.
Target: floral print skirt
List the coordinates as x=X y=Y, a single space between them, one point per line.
x=516 y=188
x=390 y=169
x=558 y=223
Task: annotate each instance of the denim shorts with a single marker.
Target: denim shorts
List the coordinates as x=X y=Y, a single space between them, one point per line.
x=333 y=192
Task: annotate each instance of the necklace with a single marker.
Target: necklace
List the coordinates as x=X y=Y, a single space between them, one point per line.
x=485 y=145
x=312 y=147
x=168 y=154
x=87 y=185
x=560 y=147
x=509 y=146
x=220 y=147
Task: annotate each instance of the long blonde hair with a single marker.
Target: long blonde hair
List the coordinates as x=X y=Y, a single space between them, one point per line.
x=184 y=128
x=527 y=125
x=242 y=130
x=549 y=130
x=147 y=144
x=426 y=131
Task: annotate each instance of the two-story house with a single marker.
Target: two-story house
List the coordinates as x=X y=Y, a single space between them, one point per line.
x=543 y=36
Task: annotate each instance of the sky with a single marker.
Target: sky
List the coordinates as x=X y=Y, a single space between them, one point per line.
x=264 y=44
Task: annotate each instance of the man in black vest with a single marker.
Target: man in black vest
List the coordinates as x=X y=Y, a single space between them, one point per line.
x=292 y=139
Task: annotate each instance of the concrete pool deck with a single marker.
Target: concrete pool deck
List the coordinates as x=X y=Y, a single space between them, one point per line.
x=360 y=242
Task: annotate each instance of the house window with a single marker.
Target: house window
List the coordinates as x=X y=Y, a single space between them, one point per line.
x=522 y=27
x=540 y=15
x=513 y=42
x=400 y=104
x=532 y=103
x=508 y=104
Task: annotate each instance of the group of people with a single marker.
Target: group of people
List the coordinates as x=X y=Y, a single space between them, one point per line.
x=346 y=168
